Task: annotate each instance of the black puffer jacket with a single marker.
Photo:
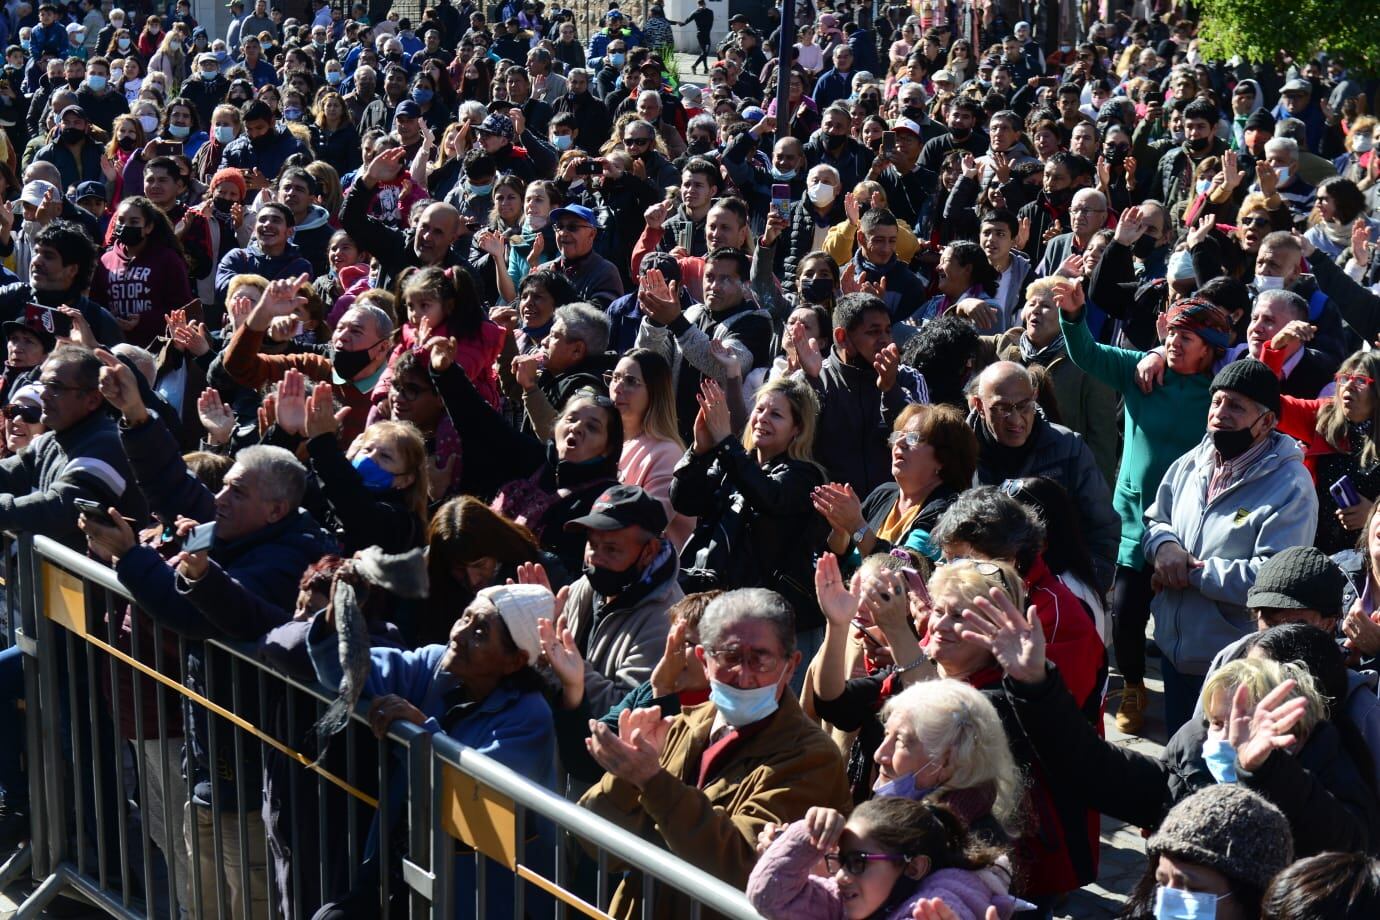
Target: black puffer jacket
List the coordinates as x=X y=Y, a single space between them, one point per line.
x=757 y=527
x=800 y=236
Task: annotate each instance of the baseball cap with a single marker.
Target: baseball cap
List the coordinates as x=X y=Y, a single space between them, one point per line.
x=35 y=189
x=578 y=211
x=75 y=110
x=408 y=109
x=906 y=125
x=494 y=123
x=90 y=189
x=623 y=506
x=37 y=321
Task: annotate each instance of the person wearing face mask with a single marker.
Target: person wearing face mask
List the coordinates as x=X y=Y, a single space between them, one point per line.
x=351 y=368
x=833 y=145
x=206 y=87
x=751 y=726
x=805 y=224
x=97 y=98
x=1172 y=179
x=591 y=115
x=1221 y=509
x=616 y=613
x=72 y=151
x=143 y=275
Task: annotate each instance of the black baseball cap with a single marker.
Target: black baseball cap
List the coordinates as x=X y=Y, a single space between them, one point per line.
x=623 y=506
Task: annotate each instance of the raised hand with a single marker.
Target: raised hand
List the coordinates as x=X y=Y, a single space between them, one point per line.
x=1022 y=234
x=1267 y=177
x=281 y=298
x=442 y=352
x=215 y=416
x=969 y=166
x=852 y=208
x=1361 y=245
x=714 y=405
x=81 y=329
x=672 y=673
x=322 y=418
x=727 y=358
x=1201 y=230
x=561 y=652
x=1072 y=267
x=1068 y=295
x=384 y=166
x=1257 y=733
x=887 y=363
x=835 y=600
x=825 y=826
x=292 y=403
x=1295 y=332
x=807 y=351
x=118 y=386
x=1130 y=227
x=1016 y=642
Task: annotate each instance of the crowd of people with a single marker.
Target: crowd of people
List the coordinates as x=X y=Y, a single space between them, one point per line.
x=781 y=480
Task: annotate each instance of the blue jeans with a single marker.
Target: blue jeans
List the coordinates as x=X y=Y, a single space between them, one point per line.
x=1181 y=693
x=12 y=781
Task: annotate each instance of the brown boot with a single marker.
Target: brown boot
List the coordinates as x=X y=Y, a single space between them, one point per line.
x=1130 y=714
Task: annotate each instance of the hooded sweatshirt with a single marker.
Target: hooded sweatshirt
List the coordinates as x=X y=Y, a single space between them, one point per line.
x=148 y=285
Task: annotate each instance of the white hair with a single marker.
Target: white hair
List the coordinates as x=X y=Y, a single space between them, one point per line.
x=140 y=357
x=1283 y=146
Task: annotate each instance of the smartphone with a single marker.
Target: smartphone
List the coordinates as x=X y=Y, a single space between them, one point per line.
x=588 y=168
x=94 y=510
x=199 y=540
x=168 y=148
x=37 y=316
x=781 y=198
x=916 y=583
x=889 y=143
x=1344 y=493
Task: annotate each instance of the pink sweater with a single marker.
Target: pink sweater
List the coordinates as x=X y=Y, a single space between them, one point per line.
x=649 y=463
x=782 y=888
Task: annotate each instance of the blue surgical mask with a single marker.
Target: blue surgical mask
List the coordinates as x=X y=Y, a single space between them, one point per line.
x=149 y=123
x=224 y=134
x=292 y=114
x=1220 y=758
x=617 y=59
x=479 y=190
x=743 y=707
x=209 y=75
x=376 y=478
x=334 y=76
x=562 y=141
x=96 y=82
x=179 y=131
x=780 y=176
x=903 y=787
x=1178 y=904
x=1202 y=186
x=422 y=96
x=122 y=43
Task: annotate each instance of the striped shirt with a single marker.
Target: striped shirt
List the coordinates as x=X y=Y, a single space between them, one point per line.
x=1227 y=472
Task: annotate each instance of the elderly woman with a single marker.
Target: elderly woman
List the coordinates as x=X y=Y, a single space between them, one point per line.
x=933 y=458
x=1160 y=427
x=22 y=413
x=945 y=654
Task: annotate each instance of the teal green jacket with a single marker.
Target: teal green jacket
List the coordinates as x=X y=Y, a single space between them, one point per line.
x=1160 y=427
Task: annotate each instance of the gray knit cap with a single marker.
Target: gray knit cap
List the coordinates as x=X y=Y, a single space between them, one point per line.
x=1228 y=828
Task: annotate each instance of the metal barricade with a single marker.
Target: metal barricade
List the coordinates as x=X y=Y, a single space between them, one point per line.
x=110 y=695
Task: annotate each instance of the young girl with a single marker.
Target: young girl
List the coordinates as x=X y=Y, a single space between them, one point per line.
x=443 y=302
x=889 y=855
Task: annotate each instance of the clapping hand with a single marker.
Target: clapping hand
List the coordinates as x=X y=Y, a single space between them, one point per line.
x=322 y=417
x=1256 y=733
x=634 y=754
x=215 y=416
x=561 y=652
x=292 y=403
x=714 y=406
x=1017 y=642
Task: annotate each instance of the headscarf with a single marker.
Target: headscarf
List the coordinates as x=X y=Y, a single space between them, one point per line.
x=1204 y=319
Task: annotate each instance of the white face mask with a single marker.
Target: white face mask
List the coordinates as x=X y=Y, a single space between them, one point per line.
x=1361 y=143
x=1269 y=283
x=821 y=194
x=1283 y=174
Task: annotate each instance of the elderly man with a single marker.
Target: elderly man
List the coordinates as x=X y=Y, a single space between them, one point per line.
x=574 y=356
x=705 y=783
x=429 y=244
x=594 y=278
x=617 y=610
x=1282 y=153
x=358 y=354
x=1087 y=215
x=1015 y=441
x=547 y=85
x=1222 y=509
x=1304 y=372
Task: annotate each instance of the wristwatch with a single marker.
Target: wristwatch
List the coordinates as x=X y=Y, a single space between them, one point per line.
x=860 y=533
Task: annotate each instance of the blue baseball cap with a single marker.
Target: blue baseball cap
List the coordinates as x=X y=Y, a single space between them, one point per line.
x=578 y=211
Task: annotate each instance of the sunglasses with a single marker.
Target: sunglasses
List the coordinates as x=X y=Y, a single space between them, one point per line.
x=25 y=413
x=855 y=862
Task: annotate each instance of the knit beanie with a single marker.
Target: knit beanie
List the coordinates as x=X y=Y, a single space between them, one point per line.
x=521 y=606
x=1251 y=379
x=1228 y=828
x=234 y=177
x=1261 y=120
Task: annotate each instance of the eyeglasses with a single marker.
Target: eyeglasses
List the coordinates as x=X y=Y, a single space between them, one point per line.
x=1006 y=410
x=622 y=380
x=1254 y=221
x=735 y=656
x=1087 y=210
x=639 y=141
x=567 y=226
x=855 y=862
x=911 y=439
x=24 y=413
x=52 y=386
x=995 y=574
x=1360 y=380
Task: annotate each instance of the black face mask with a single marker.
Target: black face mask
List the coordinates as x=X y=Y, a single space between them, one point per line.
x=835 y=142
x=127 y=144
x=1232 y=444
x=1198 y=144
x=1145 y=247
x=609 y=583
x=914 y=112
x=817 y=290
x=1060 y=198
x=129 y=235
x=74 y=82
x=71 y=135
x=699 y=147
x=349 y=364
x=223 y=205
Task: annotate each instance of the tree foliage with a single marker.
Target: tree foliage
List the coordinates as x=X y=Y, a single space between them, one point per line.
x=1258 y=30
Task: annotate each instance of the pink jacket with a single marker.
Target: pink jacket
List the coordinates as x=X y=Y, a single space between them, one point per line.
x=649 y=463
x=782 y=888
